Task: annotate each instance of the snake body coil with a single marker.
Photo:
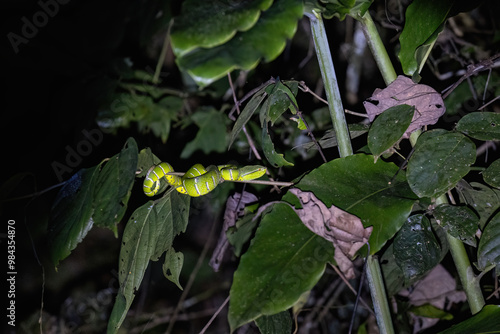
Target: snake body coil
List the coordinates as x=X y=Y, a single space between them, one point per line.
x=198 y=181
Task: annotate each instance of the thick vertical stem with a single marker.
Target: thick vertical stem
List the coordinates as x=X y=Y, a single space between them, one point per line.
x=379 y=297
x=374 y=273
x=331 y=83
x=470 y=281
x=378 y=49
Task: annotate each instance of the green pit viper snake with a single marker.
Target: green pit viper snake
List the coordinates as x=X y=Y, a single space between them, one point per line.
x=198 y=181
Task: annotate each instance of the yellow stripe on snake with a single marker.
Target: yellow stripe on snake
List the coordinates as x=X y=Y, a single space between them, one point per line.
x=198 y=181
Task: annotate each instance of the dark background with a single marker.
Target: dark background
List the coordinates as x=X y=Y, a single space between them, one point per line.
x=54 y=86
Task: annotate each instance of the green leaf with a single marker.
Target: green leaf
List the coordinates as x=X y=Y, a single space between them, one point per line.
x=239 y=235
x=459 y=221
x=284 y=260
x=211 y=136
x=416 y=249
x=430 y=311
x=388 y=128
x=265 y=40
x=424 y=22
x=173 y=265
x=439 y=161
x=159 y=119
x=483 y=199
x=281 y=98
x=149 y=115
x=488 y=252
x=70 y=216
x=145 y=160
x=341 y=8
x=492 y=174
x=113 y=187
x=247 y=113
x=149 y=232
x=279 y=323
x=486 y=321
x=371 y=191
x=480 y=125
x=274 y=158
x=205 y=24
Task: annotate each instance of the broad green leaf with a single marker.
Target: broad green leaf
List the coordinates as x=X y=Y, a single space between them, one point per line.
x=205 y=24
x=393 y=275
x=211 y=136
x=114 y=186
x=371 y=191
x=388 y=128
x=341 y=8
x=439 y=161
x=459 y=221
x=284 y=260
x=239 y=235
x=488 y=252
x=480 y=125
x=247 y=113
x=492 y=174
x=483 y=199
x=279 y=323
x=416 y=249
x=424 y=22
x=173 y=265
x=149 y=232
x=274 y=158
x=486 y=321
x=70 y=216
x=265 y=40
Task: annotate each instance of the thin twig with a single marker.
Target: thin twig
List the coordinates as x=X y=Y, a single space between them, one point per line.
x=303 y=87
x=341 y=275
x=247 y=96
x=163 y=54
x=214 y=316
x=236 y=104
x=192 y=277
x=309 y=132
x=473 y=70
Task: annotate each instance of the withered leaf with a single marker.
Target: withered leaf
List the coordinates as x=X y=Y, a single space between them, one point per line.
x=429 y=104
x=343 y=229
x=234 y=209
x=439 y=289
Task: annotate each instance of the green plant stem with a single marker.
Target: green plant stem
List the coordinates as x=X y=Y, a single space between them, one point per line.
x=377 y=48
x=374 y=274
x=470 y=281
x=379 y=297
x=331 y=84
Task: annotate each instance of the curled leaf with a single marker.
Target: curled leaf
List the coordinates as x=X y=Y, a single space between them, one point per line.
x=343 y=229
x=234 y=209
x=428 y=103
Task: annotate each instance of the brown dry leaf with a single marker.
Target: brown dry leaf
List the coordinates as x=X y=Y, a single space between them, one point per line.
x=234 y=209
x=343 y=229
x=428 y=103
x=439 y=289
